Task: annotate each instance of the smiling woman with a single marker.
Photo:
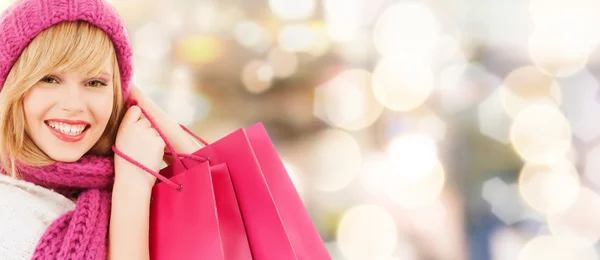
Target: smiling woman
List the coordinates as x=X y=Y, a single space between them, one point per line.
x=70 y=94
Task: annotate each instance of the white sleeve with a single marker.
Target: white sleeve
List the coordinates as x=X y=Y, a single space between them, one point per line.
x=26 y=210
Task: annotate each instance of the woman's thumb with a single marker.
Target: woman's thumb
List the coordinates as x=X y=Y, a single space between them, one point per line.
x=131 y=116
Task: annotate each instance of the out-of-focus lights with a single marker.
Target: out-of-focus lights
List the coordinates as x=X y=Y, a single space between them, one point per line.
x=321 y=42
x=494 y=122
x=251 y=35
x=415 y=193
x=400 y=86
x=406 y=30
x=547 y=248
x=292 y=9
x=4 y=4
x=367 y=232
x=297 y=37
x=335 y=160
x=528 y=85
x=294 y=174
x=343 y=19
x=257 y=76
x=200 y=49
x=413 y=156
x=505 y=201
x=283 y=63
x=152 y=41
x=558 y=54
x=567 y=17
x=432 y=125
x=578 y=225
x=541 y=134
x=348 y=100
x=549 y=188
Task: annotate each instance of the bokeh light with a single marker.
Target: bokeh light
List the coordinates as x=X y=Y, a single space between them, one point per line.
x=283 y=63
x=297 y=37
x=293 y=9
x=433 y=125
x=493 y=120
x=578 y=225
x=296 y=177
x=343 y=22
x=505 y=201
x=559 y=55
x=413 y=156
x=335 y=160
x=528 y=85
x=400 y=86
x=564 y=17
x=549 y=188
x=367 y=232
x=199 y=49
x=257 y=76
x=252 y=35
x=152 y=41
x=411 y=193
x=348 y=100
x=406 y=31
x=592 y=165
x=547 y=248
x=540 y=134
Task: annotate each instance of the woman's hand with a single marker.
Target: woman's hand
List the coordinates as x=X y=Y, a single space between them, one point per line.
x=181 y=141
x=137 y=139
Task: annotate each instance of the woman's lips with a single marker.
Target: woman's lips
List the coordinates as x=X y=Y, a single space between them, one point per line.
x=65 y=137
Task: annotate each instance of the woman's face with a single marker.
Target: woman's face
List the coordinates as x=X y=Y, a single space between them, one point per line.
x=66 y=113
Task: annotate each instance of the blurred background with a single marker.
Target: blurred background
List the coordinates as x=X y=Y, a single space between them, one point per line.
x=413 y=130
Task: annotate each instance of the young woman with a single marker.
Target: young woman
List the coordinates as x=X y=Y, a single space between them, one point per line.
x=65 y=71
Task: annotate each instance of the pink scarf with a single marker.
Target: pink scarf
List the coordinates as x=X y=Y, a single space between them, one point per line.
x=81 y=233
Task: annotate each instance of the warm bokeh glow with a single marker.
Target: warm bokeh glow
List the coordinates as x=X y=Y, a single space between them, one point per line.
x=408 y=31
x=293 y=9
x=257 y=76
x=578 y=225
x=547 y=248
x=335 y=160
x=541 y=134
x=528 y=85
x=367 y=232
x=549 y=188
x=400 y=86
x=348 y=100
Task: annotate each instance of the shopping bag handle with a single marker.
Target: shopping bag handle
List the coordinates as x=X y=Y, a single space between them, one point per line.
x=171 y=151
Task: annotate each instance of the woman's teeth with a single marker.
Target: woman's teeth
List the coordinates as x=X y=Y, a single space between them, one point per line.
x=67 y=128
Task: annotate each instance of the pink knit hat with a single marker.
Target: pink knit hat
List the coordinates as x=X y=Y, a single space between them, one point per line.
x=25 y=19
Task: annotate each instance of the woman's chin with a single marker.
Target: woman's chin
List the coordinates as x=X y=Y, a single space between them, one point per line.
x=72 y=157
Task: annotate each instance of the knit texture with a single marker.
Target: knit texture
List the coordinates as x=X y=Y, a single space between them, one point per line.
x=81 y=233
x=24 y=20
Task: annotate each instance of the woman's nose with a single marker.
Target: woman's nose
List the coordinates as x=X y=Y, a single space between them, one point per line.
x=71 y=98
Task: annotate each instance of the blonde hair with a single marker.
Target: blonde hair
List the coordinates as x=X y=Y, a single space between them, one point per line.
x=63 y=47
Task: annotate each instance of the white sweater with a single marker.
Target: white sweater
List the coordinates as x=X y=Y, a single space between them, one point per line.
x=26 y=210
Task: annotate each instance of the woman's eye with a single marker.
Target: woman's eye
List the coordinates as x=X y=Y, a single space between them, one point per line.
x=96 y=83
x=48 y=79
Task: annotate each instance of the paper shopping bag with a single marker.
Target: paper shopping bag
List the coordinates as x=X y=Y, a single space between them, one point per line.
x=278 y=225
x=202 y=220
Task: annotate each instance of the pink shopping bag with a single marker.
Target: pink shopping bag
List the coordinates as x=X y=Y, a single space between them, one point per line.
x=277 y=223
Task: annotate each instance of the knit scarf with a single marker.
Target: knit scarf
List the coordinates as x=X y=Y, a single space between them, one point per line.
x=82 y=232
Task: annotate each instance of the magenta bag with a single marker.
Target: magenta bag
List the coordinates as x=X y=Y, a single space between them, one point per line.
x=277 y=223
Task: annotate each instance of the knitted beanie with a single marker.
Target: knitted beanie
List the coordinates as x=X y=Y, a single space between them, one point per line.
x=25 y=19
